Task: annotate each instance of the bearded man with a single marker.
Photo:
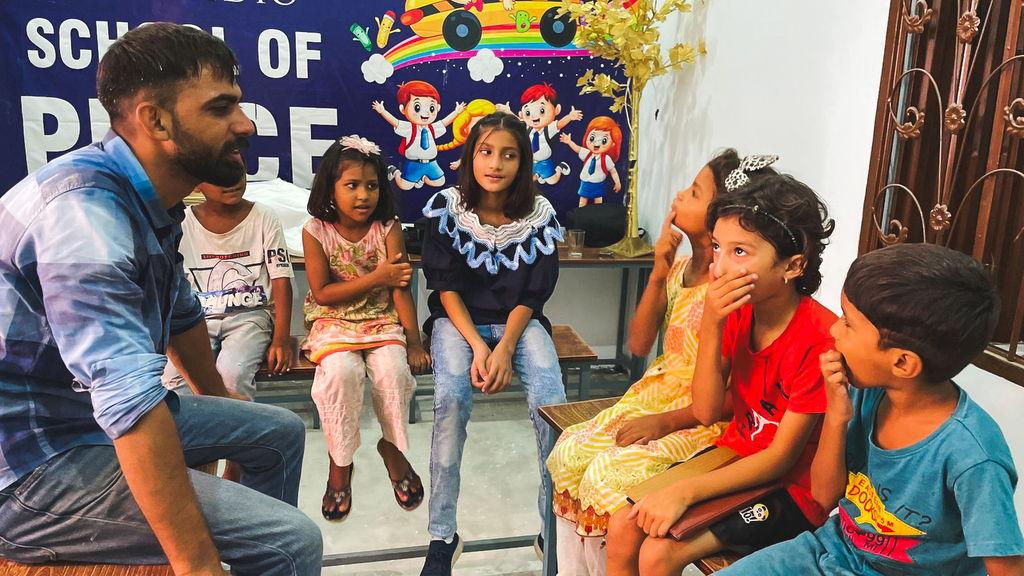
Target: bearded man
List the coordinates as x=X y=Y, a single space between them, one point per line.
x=93 y=450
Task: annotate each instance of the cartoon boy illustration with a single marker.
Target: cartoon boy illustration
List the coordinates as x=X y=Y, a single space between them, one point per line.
x=540 y=106
x=602 y=143
x=420 y=103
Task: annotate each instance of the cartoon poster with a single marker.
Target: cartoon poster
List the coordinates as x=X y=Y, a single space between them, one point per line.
x=411 y=76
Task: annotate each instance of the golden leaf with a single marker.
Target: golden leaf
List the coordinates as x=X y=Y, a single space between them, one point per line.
x=702 y=48
x=682 y=53
x=586 y=78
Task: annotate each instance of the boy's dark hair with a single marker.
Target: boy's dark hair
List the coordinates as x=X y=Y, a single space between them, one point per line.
x=321 y=196
x=521 y=193
x=783 y=211
x=936 y=302
x=157 y=59
x=721 y=165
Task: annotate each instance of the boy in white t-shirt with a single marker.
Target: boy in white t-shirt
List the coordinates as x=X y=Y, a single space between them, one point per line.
x=236 y=260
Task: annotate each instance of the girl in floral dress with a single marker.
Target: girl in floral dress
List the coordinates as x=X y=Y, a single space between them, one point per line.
x=361 y=318
x=652 y=427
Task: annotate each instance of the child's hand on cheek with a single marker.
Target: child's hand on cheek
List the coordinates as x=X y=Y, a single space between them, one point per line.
x=837 y=386
x=666 y=246
x=727 y=294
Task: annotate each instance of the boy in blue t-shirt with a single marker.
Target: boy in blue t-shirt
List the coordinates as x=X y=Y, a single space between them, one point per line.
x=922 y=475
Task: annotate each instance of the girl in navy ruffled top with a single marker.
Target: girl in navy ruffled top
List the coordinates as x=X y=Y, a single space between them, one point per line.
x=490 y=258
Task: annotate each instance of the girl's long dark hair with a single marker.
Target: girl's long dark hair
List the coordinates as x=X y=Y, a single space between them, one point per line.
x=321 y=195
x=521 y=193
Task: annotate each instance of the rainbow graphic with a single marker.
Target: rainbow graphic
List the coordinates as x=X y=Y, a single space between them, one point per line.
x=503 y=40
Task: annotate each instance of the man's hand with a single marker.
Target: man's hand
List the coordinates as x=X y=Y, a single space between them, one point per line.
x=727 y=294
x=419 y=360
x=499 y=370
x=643 y=430
x=837 y=387
x=657 y=512
x=393 y=274
x=280 y=357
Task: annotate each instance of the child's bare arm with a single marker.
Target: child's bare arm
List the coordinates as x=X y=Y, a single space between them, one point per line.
x=326 y=292
x=828 y=471
x=459 y=108
x=380 y=109
x=1004 y=565
x=463 y=322
x=615 y=178
x=650 y=312
x=405 y=305
x=662 y=509
x=280 y=356
x=567 y=139
x=725 y=295
x=573 y=114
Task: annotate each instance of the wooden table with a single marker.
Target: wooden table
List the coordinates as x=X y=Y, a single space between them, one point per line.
x=635 y=272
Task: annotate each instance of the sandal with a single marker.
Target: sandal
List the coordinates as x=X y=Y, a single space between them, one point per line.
x=339 y=496
x=403 y=487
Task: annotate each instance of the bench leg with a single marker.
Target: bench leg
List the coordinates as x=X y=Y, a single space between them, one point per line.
x=414 y=409
x=584 y=381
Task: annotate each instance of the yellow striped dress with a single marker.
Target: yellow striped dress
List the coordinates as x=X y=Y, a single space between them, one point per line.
x=590 y=473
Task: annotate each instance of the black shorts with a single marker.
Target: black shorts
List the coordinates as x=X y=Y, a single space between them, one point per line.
x=774 y=518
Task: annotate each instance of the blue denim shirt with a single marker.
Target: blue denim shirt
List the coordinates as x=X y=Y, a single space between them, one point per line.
x=91 y=289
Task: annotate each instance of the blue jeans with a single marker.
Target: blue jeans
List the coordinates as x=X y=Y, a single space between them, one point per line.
x=536 y=363
x=77 y=506
x=240 y=342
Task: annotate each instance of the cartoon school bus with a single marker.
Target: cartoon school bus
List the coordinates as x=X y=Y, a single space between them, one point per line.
x=462 y=26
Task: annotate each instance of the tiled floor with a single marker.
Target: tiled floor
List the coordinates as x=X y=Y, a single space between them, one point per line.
x=500 y=481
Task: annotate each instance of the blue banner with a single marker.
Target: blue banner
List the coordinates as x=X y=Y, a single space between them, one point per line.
x=312 y=72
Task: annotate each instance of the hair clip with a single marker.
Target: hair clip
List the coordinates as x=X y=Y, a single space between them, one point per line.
x=738 y=177
x=757 y=210
x=363 y=145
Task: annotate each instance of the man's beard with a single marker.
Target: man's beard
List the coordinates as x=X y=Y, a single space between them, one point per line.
x=207 y=165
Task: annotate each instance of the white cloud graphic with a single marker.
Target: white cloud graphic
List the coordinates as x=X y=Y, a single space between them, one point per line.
x=485 y=66
x=377 y=69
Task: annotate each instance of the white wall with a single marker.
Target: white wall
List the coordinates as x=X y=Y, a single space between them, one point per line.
x=797 y=78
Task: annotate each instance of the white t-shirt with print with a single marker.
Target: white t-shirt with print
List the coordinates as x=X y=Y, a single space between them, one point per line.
x=231 y=272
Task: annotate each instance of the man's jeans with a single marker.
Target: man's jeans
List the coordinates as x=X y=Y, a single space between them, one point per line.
x=77 y=506
x=536 y=363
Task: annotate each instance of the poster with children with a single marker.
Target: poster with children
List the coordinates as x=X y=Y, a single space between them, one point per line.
x=413 y=76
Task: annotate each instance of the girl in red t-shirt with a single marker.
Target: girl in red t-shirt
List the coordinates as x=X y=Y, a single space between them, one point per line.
x=763 y=333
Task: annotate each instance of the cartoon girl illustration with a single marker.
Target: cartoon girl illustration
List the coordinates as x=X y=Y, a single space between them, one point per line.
x=465 y=121
x=602 y=143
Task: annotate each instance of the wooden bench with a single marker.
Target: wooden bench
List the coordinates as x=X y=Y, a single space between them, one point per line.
x=562 y=416
x=8 y=568
x=573 y=353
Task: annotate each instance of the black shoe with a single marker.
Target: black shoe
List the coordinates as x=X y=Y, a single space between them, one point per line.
x=441 y=557
x=538 y=546
x=564 y=168
x=392 y=170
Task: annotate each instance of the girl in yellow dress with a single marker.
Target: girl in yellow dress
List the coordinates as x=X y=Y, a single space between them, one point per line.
x=652 y=427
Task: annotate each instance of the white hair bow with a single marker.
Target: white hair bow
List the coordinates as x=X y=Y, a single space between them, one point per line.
x=363 y=145
x=738 y=177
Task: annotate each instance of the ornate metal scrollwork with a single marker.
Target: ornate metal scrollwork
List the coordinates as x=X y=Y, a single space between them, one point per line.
x=912 y=128
x=954 y=118
x=967 y=26
x=915 y=23
x=890 y=238
x=939 y=218
x=1014 y=123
